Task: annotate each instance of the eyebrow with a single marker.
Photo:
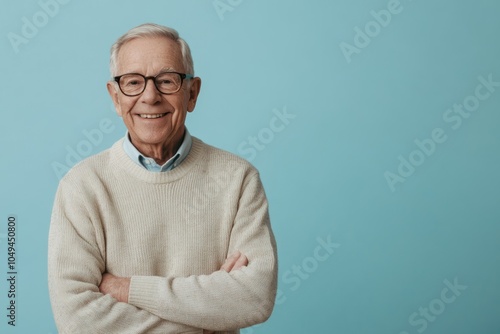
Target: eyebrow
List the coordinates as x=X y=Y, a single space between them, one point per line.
x=166 y=69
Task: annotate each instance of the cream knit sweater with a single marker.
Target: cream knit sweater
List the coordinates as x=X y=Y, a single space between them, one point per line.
x=170 y=232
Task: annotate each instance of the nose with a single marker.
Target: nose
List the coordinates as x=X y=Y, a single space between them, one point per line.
x=151 y=94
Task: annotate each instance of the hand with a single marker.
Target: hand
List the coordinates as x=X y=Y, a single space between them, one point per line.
x=233 y=262
x=115 y=286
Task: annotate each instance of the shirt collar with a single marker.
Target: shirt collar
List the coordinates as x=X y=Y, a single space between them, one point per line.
x=149 y=163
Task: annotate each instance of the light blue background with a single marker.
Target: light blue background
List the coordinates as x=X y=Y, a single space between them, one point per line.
x=323 y=172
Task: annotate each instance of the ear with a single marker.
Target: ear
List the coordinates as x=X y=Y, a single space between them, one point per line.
x=194 y=90
x=113 y=92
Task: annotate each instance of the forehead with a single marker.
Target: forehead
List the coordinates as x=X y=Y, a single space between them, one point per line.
x=148 y=55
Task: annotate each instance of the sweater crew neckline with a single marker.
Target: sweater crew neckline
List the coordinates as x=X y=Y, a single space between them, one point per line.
x=121 y=161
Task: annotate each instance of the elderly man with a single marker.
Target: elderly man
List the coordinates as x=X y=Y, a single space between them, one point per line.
x=161 y=233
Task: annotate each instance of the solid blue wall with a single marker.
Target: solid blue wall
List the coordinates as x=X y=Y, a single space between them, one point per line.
x=374 y=125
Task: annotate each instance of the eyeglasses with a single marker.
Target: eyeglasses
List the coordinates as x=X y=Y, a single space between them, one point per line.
x=133 y=84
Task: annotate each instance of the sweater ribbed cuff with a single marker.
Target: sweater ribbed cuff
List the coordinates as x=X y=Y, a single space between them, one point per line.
x=143 y=292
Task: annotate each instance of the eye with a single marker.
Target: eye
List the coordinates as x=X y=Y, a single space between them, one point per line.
x=132 y=83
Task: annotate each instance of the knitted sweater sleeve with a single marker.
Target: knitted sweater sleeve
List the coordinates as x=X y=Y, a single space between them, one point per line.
x=76 y=261
x=222 y=301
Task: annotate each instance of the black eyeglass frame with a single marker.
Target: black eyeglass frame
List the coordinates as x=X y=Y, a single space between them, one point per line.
x=182 y=75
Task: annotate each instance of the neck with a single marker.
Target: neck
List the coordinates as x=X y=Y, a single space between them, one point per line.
x=160 y=153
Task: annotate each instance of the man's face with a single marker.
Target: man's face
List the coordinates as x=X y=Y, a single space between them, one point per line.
x=149 y=56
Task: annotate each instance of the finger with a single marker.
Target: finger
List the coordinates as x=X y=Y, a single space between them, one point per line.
x=242 y=261
x=230 y=261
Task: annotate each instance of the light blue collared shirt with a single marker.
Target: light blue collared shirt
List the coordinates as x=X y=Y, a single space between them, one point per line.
x=149 y=163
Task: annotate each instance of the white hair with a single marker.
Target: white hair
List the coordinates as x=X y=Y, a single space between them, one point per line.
x=151 y=30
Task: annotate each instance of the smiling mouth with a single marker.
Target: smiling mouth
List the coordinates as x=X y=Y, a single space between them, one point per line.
x=152 y=115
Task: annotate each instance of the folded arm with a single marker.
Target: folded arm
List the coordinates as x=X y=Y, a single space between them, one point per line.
x=118 y=287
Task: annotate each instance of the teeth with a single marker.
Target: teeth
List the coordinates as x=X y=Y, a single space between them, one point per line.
x=151 y=116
